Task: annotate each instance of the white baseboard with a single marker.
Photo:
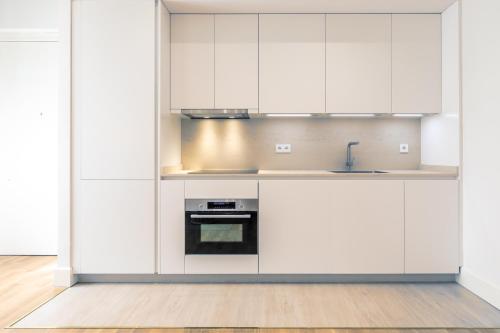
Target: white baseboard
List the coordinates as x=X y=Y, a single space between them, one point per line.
x=64 y=277
x=487 y=291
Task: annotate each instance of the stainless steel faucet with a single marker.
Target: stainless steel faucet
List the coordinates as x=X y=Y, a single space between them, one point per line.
x=349 y=163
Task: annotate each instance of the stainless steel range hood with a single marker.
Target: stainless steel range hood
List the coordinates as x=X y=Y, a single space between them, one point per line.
x=216 y=113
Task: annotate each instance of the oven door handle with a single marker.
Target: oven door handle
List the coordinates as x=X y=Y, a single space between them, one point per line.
x=199 y=216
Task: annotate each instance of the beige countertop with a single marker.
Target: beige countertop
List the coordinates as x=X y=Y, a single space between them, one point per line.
x=450 y=173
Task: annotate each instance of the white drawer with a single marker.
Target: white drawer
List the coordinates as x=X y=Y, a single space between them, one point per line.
x=221 y=189
x=222 y=264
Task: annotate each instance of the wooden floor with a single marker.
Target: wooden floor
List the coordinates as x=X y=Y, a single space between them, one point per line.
x=26 y=282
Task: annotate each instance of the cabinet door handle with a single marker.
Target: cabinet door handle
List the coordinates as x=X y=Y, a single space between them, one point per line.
x=198 y=216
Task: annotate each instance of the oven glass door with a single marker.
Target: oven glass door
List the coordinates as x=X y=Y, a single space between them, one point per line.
x=221 y=232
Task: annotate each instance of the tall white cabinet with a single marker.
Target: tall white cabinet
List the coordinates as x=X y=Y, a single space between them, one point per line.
x=113 y=87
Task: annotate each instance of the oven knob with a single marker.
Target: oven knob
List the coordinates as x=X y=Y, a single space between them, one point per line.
x=241 y=206
x=201 y=206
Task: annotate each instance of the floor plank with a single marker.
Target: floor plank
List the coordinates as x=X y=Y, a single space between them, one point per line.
x=27 y=281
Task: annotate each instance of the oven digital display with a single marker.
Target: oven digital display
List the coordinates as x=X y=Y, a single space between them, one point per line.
x=221 y=205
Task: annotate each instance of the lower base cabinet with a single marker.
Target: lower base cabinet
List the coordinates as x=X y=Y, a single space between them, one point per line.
x=331 y=227
x=432 y=227
x=358 y=227
x=171 y=227
x=222 y=264
x=305 y=227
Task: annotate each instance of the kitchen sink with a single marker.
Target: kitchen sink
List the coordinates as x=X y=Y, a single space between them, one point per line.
x=357 y=171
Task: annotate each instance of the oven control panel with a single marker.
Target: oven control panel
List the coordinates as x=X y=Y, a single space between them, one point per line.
x=221 y=205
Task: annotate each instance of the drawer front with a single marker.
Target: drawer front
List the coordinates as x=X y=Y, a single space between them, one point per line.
x=221 y=189
x=222 y=264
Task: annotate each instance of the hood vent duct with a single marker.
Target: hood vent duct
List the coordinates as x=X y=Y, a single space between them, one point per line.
x=216 y=113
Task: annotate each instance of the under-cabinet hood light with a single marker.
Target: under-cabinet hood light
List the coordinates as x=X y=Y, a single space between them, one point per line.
x=408 y=115
x=216 y=113
x=297 y=115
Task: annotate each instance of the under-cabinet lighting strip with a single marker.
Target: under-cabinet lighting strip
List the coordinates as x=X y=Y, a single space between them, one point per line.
x=352 y=115
x=408 y=115
x=288 y=115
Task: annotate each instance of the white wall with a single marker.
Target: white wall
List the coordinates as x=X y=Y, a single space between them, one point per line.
x=481 y=157
x=28 y=127
x=28 y=14
x=441 y=133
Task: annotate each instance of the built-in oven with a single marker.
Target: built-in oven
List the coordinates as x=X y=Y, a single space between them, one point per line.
x=221 y=226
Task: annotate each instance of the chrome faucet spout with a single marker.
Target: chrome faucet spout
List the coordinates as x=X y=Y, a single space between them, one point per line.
x=350 y=160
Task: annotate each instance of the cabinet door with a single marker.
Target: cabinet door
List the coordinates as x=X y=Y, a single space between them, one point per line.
x=117 y=225
x=416 y=63
x=221 y=189
x=431 y=226
x=114 y=88
x=236 y=61
x=295 y=227
x=292 y=63
x=192 y=61
x=171 y=227
x=367 y=220
x=358 y=63
x=331 y=227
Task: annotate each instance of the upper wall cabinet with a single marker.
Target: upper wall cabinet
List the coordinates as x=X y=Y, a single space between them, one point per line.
x=113 y=70
x=214 y=61
x=236 y=61
x=358 y=63
x=416 y=69
x=192 y=59
x=292 y=63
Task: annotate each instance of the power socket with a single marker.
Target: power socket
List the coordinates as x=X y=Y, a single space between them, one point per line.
x=283 y=148
x=404 y=148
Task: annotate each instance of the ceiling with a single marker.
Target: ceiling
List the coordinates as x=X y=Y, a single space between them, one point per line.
x=307 y=6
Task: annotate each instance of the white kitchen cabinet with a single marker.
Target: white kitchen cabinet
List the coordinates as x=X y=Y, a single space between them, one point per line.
x=116 y=227
x=295 y=227
x=171 y=227
x=331 y=227
x=431 y=226
x=214 y=61
x=192 y=59
x=221 y=189
x=367 y=220
x=113 y=65
x=236 y=61
x=222 y=264
x=292 y=63
x=416 y=63
x=113 y=96
x=358 y=63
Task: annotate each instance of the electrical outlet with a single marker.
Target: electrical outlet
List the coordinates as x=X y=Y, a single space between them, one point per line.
x=404 y=148
x=283 y=148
